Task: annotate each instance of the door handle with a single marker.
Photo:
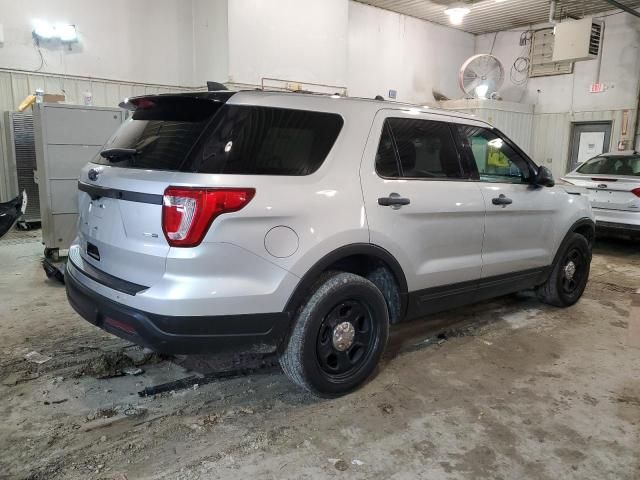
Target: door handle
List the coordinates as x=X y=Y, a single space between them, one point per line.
x=393 y=200
x=501 y=200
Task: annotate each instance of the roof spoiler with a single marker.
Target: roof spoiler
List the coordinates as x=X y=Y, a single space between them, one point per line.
x=215 y=86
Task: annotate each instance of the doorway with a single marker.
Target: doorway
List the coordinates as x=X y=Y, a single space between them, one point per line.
x=588 y=139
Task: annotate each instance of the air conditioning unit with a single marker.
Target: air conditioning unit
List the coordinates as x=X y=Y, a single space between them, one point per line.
x=577 y=40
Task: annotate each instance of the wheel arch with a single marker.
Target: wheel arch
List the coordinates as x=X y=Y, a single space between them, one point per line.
x=585 y=227
x=358 y=258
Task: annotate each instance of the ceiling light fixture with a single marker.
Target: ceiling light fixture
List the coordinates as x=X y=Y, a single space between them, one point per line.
x=456 y=14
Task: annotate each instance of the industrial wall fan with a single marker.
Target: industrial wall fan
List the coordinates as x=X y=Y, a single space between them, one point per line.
x=481 y=76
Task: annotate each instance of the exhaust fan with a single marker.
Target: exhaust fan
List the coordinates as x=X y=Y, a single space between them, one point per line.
x=481 y=76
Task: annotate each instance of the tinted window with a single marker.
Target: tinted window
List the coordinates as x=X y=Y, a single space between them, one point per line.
x=610 y=165
x=266 y=141
x=386 y=160
x=162 y=132
x=425 y=149
x=496 y=160
x=202 y=136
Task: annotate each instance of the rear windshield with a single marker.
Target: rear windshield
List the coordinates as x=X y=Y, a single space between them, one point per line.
x=231 y=139
x=612 y=165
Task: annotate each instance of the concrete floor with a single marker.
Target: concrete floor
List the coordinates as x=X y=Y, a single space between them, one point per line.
x=517 y=390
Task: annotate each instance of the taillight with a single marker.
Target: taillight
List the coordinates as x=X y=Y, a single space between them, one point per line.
x=187 y=213
x=636 y=191
x=142 y=103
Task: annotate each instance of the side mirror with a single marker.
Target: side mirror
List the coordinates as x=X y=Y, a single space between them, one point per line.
x=544 y=178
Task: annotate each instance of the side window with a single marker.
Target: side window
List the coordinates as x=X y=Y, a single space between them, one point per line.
x=425 y=148
x=386 y=160
x=254 y=140
x=495 y=159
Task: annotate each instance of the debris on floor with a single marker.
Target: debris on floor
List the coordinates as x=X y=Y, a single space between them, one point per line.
x=106 y=365
x=53 y=271
x=127 y=361
x=339 y=464
x=37 y=357
x=195 y=381
x=14 y=378
x=454 y=411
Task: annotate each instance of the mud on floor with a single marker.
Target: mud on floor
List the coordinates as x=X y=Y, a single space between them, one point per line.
x=505 y=389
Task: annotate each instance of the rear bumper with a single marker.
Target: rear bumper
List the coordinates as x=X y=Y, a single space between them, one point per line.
x=259 y=333
x=617 y=220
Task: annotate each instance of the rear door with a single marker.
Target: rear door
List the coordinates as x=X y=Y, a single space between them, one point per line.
x=520 y=218
x=422 y=207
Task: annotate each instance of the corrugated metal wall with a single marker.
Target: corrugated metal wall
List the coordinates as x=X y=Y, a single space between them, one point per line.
x=515 y=125
x=514 y=119
x=16 y=85
x=551 y=136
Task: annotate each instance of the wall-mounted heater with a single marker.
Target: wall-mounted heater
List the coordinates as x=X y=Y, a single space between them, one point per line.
x=577 y=40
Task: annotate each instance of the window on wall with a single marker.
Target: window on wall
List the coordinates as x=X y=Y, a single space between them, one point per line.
x=541 y=56
x=421 y=148
x=495 y=159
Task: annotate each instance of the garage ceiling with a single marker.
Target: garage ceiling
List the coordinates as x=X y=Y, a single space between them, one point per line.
x=488 y=16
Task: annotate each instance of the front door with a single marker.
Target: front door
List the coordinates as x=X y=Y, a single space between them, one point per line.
x=422 y=207
x=520 y=217
x=587 y=141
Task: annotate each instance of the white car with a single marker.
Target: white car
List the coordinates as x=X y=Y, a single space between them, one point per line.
x=612 y=181
x=307 y=224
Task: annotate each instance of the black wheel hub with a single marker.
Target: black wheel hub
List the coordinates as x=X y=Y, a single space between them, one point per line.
x=345 y=339
x=572 y=271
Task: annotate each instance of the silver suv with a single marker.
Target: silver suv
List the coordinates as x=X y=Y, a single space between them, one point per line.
x=307 y=224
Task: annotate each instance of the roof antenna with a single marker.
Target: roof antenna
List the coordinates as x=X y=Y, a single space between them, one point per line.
x=379 y=97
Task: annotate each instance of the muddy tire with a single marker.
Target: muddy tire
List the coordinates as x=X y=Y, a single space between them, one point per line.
x=569 y=275
x=338 y=337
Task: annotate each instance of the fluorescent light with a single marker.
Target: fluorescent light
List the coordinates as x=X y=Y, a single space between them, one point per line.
x=67 y=33
x=481 y=90
x=61 y=31
x=43 y=29
x=456 y=14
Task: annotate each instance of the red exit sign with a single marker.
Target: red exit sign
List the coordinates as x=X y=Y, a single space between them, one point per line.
x=596 y=88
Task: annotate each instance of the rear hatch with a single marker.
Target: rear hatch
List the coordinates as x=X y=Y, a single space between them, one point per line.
x=210 y=152
x=612 y=181
x=121 y=190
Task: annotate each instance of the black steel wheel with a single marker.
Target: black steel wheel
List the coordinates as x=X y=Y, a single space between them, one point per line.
x=346 y=338
x=338 y=337
x=573 y=270
x=569 y=275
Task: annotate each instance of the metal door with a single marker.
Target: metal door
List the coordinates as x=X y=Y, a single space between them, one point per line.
x=588 y=140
